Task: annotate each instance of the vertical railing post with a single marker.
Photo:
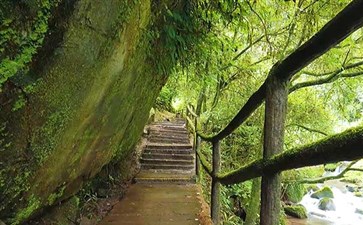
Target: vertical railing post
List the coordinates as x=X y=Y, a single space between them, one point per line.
x=275 y=114
x=215 y=184
x=197 y=162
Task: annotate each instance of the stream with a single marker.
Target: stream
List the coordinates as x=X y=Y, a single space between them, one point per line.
x=349 y=208
x=346 y=209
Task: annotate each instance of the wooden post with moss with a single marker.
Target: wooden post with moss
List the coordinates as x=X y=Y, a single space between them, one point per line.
x=215 y=184
x=275 y=114
x=197 y=162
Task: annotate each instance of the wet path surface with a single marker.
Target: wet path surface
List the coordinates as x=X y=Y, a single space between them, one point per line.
x=153 y=204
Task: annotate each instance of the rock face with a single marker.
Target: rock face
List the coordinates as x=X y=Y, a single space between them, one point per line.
x=87 y=106
x=325 y=192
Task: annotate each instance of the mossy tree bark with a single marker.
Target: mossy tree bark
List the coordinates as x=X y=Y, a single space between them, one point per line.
x=275 y=114
x=254 y=202
x=215 y=195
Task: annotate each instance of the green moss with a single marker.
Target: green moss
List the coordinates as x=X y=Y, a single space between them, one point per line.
x=312 y=187
x=52 y=198
x=282 y=219
x=88 y=107
x=10 y=35
x=294 y=192
x=297 y=211
x=325 y=192
x=34 y=204
x=49 y=134
x=330 y=167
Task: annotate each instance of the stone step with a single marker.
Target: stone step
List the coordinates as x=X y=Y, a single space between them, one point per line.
x=168 y=146
x=169 y=140
x=171 y=124
x=156 y=180
x=169 y=128
x=168 y=167
x=190 y=180
x=154 y=176
x=169 y=135
x=166 y=161
x=168 y=151
x=181 y=124
x=167 y=156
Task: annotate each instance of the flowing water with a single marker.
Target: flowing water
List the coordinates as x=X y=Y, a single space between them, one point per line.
x=347 y=206
x=346 y=209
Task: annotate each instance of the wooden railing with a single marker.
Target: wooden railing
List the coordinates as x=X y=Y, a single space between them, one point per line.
x=274 y=91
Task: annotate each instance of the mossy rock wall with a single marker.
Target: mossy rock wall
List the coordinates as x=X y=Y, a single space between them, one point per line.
x=87 y=106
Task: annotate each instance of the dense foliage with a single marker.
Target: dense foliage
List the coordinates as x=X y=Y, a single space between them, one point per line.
x=245 y=39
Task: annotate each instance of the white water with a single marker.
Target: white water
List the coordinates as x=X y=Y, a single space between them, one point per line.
x=346 y=205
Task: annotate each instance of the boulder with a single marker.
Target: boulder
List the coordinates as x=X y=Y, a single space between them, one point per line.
x=359 y=211
x=297 y=211
x=311 y=187
x=351 y=188
x=326 y=204
x=294 y=192
x=325 y=192
x=358 y=194
x=331 y=167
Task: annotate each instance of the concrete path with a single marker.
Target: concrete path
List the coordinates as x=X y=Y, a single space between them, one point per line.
x=165 y=192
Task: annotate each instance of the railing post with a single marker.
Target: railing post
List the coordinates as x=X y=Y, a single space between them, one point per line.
x=197 y=161
x=275 y=114
x=215 y=184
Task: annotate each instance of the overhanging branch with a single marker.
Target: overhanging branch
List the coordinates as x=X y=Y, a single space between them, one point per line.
x=323 y=179
x=330 y=78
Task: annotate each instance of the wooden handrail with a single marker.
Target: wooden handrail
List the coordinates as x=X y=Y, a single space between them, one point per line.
x=191 y=111
x=346 y=146
x=206 y=166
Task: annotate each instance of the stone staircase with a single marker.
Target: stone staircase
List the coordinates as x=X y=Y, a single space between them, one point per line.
x=168 y=155
x=165 y=192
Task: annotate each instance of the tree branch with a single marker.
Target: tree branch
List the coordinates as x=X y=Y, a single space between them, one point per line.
x=308 y=128
x=350 y=66
x=356 y=169
x=332 y=77
x=263 y=23
x=323 y=179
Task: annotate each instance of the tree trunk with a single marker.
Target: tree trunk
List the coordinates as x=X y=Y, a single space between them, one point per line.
x=275 y=114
